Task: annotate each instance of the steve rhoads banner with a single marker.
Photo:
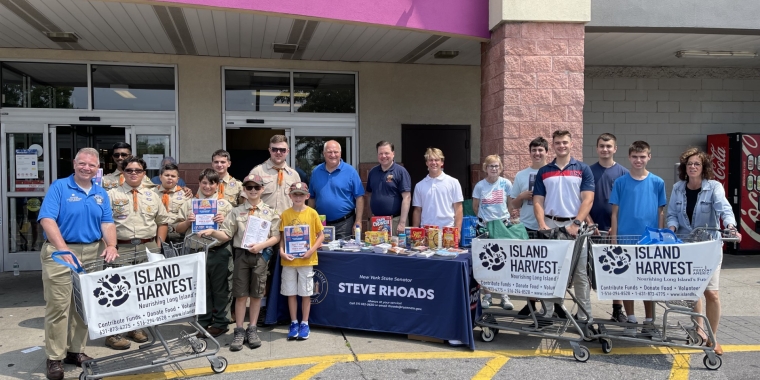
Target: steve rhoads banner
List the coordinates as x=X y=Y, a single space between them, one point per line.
x=532 y=268
x=123 y=299
x=655 y=272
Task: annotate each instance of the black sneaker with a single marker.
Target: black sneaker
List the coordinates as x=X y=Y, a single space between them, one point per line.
x=238 y=339
x=253 y=338
x=619 y=316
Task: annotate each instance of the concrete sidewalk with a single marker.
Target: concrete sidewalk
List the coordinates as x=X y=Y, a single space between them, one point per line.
x=22 y=318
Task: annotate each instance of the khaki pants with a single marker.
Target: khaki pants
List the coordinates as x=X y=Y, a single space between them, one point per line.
x=64 y=329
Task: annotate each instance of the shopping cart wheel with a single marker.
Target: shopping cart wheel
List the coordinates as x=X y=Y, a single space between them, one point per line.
x=200 y=346
x=713 y=365
x=581 y=354
x=606 y=345
x=222 y=365
x=487 y=334
x=695 y=339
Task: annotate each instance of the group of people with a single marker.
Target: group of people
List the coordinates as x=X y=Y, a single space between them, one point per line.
x=129 y=212
x=568 y=193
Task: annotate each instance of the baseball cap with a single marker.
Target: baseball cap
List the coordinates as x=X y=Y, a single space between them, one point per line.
x=255 y=178
x=299 y=188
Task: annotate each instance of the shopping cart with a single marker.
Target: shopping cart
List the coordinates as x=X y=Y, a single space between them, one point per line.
x=679 y=327
x=494 y=320
x=160 y=351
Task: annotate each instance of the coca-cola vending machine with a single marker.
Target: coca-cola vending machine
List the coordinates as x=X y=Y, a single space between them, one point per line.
x=736 y=163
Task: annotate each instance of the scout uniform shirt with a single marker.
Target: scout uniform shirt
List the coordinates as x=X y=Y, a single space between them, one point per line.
x=229 y=189
x=235 y=223
x=222 y=207
x=276 y=184
x=140 y=219
x=116 y=179
x=173 y=200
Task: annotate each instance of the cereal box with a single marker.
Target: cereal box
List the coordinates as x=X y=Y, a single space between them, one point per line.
x=434 y=237
x=416 y=237
x=329 y=232
x=450 y=237
x=381 y=223
x=376 y=237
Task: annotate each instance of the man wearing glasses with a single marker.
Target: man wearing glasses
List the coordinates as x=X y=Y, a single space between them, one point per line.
x=121 y=151
x=139 y=216
x=277 y=175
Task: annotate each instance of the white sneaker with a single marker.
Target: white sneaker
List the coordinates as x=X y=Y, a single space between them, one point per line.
x=505 y=304
x=650 y=330
x=485 y=303
x=630 y=331
x=456 y=343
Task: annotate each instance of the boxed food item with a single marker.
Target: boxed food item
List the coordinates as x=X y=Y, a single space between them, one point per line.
x=416 y=237
x=329 y=232
x=450 y=237
x=323 y=219
x=382 y=223
x=376 y=237
x=434 y=237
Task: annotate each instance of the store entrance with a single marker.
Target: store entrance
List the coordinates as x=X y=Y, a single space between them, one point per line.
x=70 y=138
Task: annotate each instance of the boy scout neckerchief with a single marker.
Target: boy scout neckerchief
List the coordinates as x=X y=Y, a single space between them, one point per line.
x=165 y=198
x=279 y=176
x=220 y=193
x=134 y=199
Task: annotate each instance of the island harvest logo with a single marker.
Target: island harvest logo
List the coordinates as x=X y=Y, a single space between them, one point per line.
x=493 y=258
x=615 y=260
x=113 y=290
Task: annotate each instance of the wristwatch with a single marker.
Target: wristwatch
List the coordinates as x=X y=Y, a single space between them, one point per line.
x=576 y=222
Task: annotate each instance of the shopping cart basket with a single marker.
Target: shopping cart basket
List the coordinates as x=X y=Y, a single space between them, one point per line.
x=160 y=351
x=672 y=276
x=497 y=265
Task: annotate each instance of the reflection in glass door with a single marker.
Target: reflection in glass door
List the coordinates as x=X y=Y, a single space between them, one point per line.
x=70 y=138
x=152 y=144
x=308 y=152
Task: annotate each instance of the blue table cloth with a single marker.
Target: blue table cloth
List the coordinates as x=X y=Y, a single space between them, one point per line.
x=378 y=292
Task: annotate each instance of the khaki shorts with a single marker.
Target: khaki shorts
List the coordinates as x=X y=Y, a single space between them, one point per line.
x=249 y=278
x=297 y=281
x=714 y=283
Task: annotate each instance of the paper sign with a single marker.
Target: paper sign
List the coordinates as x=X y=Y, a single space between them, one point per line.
x=297 y=240
x=204 y=210
x=153 y=161
x=256 y=231
x=26 y=164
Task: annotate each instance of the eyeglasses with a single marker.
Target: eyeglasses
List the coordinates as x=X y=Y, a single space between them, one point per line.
x=121 y=154
x=279 y=150
x=134 y=171
x=695 y=164
x=253 y=187
x=493 y=166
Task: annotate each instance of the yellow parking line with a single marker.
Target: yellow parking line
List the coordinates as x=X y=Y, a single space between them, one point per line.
x=309 y=373
x=680 y=370
x=491 y=368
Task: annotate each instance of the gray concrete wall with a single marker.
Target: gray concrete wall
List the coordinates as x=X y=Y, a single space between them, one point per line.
x=731 y=14
x=670 y=108
x=389 y=95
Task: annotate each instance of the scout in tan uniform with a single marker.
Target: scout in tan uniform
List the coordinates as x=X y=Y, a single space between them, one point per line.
x=218 y=260
x=139 y=217
x=277 y=175
x=173 y=197
x=121 y=151
x=250 y=273
x=229 y=188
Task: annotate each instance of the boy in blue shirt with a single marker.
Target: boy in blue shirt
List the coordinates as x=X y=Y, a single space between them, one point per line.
x=638 y=201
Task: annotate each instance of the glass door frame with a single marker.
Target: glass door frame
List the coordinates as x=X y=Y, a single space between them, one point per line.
x=28 y=260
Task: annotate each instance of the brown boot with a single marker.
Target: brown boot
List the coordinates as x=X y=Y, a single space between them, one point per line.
x=117 y=342
x=138 y=336
x=54 y=370
x=76 y=358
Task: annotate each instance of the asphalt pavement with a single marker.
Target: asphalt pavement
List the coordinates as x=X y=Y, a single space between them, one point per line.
x=349 y=354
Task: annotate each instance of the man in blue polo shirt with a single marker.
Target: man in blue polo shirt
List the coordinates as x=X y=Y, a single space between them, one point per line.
x=336 y=190
x=562 y=197
x=76 y=217
x=389 y=187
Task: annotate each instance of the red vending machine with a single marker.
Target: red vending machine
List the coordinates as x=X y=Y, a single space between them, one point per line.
x=736 y=163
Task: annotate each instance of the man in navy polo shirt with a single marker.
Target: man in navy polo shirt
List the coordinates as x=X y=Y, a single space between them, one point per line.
x=389 y=187
x=336 y=190
x=76 y=216
x=562 y=197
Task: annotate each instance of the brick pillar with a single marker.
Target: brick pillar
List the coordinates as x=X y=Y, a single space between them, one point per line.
x=531 y=85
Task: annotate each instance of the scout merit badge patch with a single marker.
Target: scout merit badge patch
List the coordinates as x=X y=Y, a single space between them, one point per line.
x=120 y=209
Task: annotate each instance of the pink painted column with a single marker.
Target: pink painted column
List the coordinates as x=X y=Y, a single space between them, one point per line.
x=531 y=85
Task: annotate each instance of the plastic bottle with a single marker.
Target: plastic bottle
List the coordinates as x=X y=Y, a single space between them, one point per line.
x=15 y=268
x=402 y=241
x=358 y=234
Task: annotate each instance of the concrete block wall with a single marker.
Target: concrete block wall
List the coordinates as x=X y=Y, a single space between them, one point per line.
x=670 y=108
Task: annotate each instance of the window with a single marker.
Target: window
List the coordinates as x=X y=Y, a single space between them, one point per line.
x=260 y=91
x=138 y=88
x=44 y=85
x=324 y=93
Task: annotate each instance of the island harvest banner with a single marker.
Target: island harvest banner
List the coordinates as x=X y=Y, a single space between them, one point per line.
x=126 y=298
x=532 y=268
x=655 y=272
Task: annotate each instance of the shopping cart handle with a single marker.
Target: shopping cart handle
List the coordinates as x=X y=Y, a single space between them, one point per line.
x=57 y=258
